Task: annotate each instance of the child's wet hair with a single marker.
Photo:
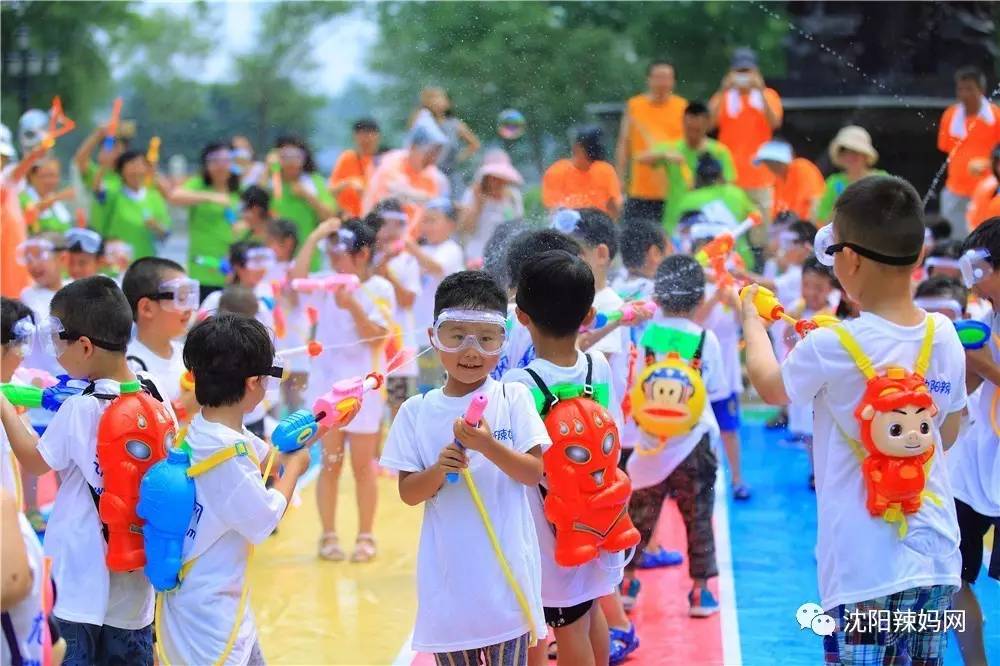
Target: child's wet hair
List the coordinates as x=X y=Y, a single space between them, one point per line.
x=223 y=352
x=943 y=286
x=470 y=290
x=143 y=278
x=883 y=214
x=95 y=307
x=595 y=228
x=556 y=290
x=679 y=286
x=256 y=197
x=805 y=232
x=813 y=265
x=529 y=244
x=986 y=237
x=237 y=299
x=637 y=236
x=281 y=229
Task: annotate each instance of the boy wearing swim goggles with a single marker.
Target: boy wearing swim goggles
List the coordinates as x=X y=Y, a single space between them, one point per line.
x=84 y=251
x=501 y=455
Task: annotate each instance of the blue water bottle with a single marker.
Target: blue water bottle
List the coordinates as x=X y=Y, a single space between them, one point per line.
x=166 y=503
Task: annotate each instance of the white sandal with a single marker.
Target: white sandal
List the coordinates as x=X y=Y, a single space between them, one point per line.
x=329 y=548
x=364 y=548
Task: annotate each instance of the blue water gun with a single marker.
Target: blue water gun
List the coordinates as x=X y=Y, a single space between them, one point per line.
x=50 y=398
x=166 y=503
x=972 y=333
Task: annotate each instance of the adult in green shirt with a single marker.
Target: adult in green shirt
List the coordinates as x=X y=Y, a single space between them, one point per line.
x=42 y=201
x=212 y=199
x=135 y=214
x=684 y=154
x=853 y=152
x=110 y=181
x=302 y=196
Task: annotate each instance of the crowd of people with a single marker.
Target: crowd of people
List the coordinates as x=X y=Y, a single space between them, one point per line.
x=604 y=342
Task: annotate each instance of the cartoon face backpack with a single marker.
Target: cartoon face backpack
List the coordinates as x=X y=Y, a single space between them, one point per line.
x=669 y=396
x=587 y=495
x=895 y=417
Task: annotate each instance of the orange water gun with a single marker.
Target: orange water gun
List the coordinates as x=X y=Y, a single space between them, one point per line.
x=112 y=131
x=59 y=124
x=769 y=308
x=716 y=252
x=153 y=157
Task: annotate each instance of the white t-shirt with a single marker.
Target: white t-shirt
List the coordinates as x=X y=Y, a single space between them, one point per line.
x=406 y=270
x=819 y=369
x=463 y=600
x=167 y=371
x=87 y=591
x=647 y=470
x=788 y=285
x=493 y=213
x=237 y=511
x=26 y=617
x=614 y=346
x=632 y=288
x=974 y=460
x=568 y=586
x=449 y=256
x=724 y=322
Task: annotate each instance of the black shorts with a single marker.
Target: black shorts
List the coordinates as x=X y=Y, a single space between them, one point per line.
x=973 y=526
x=562 y=617
x=623 y=459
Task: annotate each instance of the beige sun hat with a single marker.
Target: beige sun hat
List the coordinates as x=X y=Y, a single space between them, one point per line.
x=855 y=138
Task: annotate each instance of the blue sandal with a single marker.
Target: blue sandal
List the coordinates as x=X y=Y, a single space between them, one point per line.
x=623 y=643
x=660 y=557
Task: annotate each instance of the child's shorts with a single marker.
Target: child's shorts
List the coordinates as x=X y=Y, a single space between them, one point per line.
x=561 y=617
x=509 y=653
x=860 y=641
x=727 y=413
x=973 y=527
x=88 y=644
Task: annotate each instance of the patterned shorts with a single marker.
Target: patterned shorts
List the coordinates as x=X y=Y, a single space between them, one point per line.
x=509 y=653
x=879 y=632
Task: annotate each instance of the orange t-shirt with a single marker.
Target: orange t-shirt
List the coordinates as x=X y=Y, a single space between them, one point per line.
x=565 y=186
x=985 y=202
x=13 y=278
x=351 y=164
x=394 y=176
x=650 y=124
x=980 y=138
x=744 y=131
x=799 y=190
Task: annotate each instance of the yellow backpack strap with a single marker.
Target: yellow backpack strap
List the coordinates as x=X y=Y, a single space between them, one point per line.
x=924 y=357
x=860 y=359
x=238 y=449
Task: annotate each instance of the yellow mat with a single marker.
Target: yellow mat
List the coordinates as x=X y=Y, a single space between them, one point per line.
x=309 y=611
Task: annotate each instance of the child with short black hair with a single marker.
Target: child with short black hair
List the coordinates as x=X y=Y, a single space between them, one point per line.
x=943 y=259
x=16 y=326
x=249 y=262
x=569 y=594
x=685 y=464
x=502 y=457
x=643 y=247
x=944 y=295
x=892 y=349
x=439 y=256
x=256 y=220
x=104 y=616
x=974 y=461
x=353 y=326
x=232 y=360
x=163 y=300
x=84 y=252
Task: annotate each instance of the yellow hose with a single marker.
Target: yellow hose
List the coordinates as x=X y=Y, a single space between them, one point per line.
x=522 y=600
x=240 y=609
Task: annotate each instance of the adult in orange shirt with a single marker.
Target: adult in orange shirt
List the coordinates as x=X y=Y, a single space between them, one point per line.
x=967 y=133
x=798 y=184
x=354 y=168
x=585 y=180
x=747 y=112
x=13 y=230
x=986 y=197
x=650 y=118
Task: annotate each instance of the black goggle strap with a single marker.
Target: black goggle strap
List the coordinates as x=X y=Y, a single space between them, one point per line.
x=103 y=344
x=873 y=255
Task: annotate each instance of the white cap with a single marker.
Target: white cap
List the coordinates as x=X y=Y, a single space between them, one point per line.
x=773 y=151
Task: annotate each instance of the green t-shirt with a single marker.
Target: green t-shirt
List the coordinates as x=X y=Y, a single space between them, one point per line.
x=110 y=181
x=718 y=202
x=209 y=233
x=299 y=211
x=49 y=219
x=835 y=184
x=681 y=176
x=124 y=216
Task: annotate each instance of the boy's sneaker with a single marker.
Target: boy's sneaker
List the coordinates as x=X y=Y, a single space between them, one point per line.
x=704 y=606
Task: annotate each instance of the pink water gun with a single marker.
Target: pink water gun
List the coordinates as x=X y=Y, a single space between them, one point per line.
x=330 y=410
x=627 y=314
x=328 y=283
x=280 y=324
x=473 y=415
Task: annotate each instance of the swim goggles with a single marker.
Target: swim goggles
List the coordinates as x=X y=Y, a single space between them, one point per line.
x=86 y=240
x=23 y=334
x=942 y=262
x=789 y=239
x=34 y=250
x=975 y=266
x=937 y=303
x=825 y=247
x=54 y=339
x=118 y=252
x=260 y=258
x=178 y=295
x=457 y=329
x=343 y=240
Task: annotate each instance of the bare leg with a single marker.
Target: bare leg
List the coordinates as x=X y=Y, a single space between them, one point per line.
x=574 y=642
x=366 y=489
x=970 y=641
x=732 y=443
x=329 y=479
x=600 y=638
x=614 y=611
